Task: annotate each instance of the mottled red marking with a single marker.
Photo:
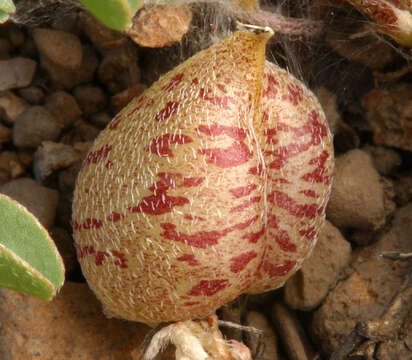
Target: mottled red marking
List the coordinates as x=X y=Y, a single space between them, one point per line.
x=241 y=261
x=91 y=223
x=195 y=81
x=160 y=203
x=149 y=103
x=309 y=193
x=193 y=217
x=246 y=204
x=95 y=156
x=115 y=122
x=83 y=251
x=221 y=87
x=208 y=287
x=190 y=258
x=271 y=91
x=243 y=190
x=160 y=145
x=114 y=217
x=278 y=270
x=318 y=175
x=109 y=164
x=176 y=80
x=138 y=106
x=257 y=170
x=309 y=233
x=191 y=303
x=222 y=101
x=281 y=236
x=100 y=257
x=201 y=239
x=254 y=237
x=380 y=11
x=121 y=260
x=285 y=202
x=313 y=127
x=270 y=133
x=295 y=95
x=168 y=111
x=235 y=155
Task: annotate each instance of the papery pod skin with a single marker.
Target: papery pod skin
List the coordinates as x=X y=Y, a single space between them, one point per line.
x=211 y=184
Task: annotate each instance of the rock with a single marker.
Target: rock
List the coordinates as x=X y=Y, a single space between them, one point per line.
x=85 y=131
x=32 y=94
x=161 y=25
x=91 y=99
x=291 y=333
x=119 y=69
x=16 y=73
x=388 y=113
x=9 y=163
x=270 y=347
x=99 y=34
x=50 y=157
x=385 y=160
x=25 y=158
x=64 y=107
x=67 y=177
x=357 y=198
x=12 y=105
x=5 y=134
x=34 y=126
x=368 y=290
x=68 y=78
x=403 y=189
x=399 y=349
x=72 y=326
x=58 y=47
x=121 y=99
x=65 y=245
x=232 y=313
x=100 y=119
x=319 y=273
x=39 y=200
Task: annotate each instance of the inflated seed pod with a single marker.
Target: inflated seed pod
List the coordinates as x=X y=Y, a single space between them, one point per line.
x=211 y=184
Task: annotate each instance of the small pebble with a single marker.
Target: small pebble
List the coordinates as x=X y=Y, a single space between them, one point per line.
x=100 y=119
x=64 y=108
x=39 y=200
x=357 y=198
x=291 y=333
x=9 y=162
x=119 y=70
x=34 y=126
x=5 y=49
x=32 y=94
x=67 y=177
x=17 y=72
x=269 y=339
x=161 y=25
x=102 y=36
x=68 y=78
x=12 y=105
x=5 y=134
x=85 y=131
x=384 y=159
x=121 y=99
x=310 y=285
x=61 y=48
x=91 y=99
x=50 y=157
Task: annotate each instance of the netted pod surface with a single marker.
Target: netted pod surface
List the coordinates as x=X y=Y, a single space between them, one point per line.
x=211 y=184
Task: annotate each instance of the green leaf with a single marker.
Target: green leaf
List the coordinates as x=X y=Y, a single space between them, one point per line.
x=116 y=14
x=7 y=6
x=3 y=16
x=29 y=260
